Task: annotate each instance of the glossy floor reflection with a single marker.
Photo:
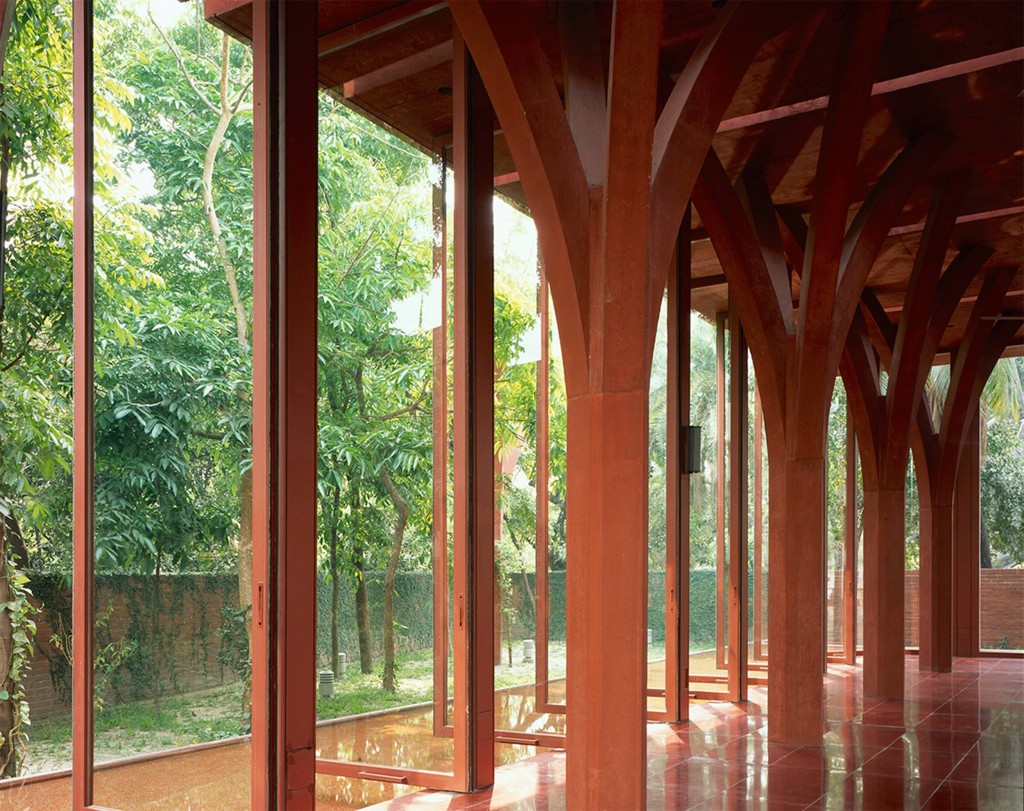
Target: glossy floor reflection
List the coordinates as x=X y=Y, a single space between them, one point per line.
x=957 y=742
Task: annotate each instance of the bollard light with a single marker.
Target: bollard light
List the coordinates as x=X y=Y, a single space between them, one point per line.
x=326 y=683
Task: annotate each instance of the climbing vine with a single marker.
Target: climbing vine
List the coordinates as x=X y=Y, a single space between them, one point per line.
x=14 y=663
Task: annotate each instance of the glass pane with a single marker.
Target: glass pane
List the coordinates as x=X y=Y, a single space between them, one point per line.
x=835 y=495
x=912 y=594
x=657 y=527
x=518 y=356
x=757 y=652
x=557 y=551
x=384 y=358
x=35 y=407
x=1001 y=609
x=705 y=538
x=173 y=409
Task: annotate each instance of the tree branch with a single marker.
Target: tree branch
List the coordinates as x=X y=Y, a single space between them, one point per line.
x=181 y=64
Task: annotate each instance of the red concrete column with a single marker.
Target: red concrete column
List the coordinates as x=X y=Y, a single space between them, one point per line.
x=936 y=587
x=795 y=555
x=607 y=606
x=883 y=592
x=967 y=546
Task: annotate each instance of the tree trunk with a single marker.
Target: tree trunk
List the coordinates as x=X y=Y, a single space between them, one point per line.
x=245 y=575
x=363 y=614
x=986 y=550
x=8 y=752
x=217 y=139
x=362 y=598
x=154 y=636
x=335 y=585
x=401 y=517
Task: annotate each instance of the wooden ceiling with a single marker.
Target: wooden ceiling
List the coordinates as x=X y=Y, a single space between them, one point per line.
x=952 y=68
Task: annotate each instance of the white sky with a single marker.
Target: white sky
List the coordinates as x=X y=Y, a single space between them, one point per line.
x=166 y=12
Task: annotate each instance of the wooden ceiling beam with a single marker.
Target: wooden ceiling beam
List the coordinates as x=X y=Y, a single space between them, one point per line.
x=370 y=27
x=923 y=77
x=396 y=71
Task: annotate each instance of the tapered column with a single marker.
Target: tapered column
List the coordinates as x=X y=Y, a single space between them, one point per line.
x=967 y=546
x=883 y=592
x=284 y=403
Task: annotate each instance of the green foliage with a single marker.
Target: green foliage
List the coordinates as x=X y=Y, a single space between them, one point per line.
x=1002 y=489
x=234 y=653
x=20 y=613
x=107 y=659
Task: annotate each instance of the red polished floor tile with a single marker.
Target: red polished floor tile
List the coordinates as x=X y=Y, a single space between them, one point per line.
x=816 y=758
x=862 y=734
x=966 y=796
x=975 y=722
x=887 y=716
x=800 y=785
x=753 y=749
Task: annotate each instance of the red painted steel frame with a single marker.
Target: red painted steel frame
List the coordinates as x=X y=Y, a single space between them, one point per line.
x=758 y=535
x=738 y=514
x=720 y=490
x=677 y=492
x=850 y=547
x=474 y=425
x=284 y=403
x=542 y=614
x=472 y=725
x=440 y=452
x=83 y=505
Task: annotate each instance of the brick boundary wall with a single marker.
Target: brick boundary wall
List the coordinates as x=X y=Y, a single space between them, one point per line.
x=190 y=616
x=1001 y=609
x=192 y=606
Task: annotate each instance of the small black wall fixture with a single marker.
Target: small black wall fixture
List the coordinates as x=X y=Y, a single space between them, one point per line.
x=691 y=449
